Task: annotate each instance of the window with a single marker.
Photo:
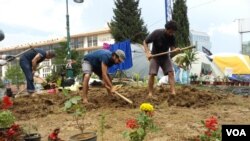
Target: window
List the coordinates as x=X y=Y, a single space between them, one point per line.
x=77 y=42
x=92 y=41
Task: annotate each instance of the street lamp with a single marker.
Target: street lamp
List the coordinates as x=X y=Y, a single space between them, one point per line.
x=69 y=70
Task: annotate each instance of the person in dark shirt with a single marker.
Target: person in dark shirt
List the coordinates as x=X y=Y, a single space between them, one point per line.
x=163 y=40
x=98 y=62
x=29 y=62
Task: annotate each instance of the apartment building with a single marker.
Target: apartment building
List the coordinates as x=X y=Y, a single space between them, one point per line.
x=200 y=39
x=80 y=42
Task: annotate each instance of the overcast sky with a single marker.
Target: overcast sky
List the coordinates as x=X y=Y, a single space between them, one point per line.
x=25 y=21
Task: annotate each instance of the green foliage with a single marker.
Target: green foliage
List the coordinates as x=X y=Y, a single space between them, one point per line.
x=1 y=83
x=73 y=105
x=60 y=62
x=127 y=22
x=29 y=129
x=102 y=122
x=137 y=78
x=145 y=125
x=6 y=118
x=181 y=18
x=186 y=59
x=15 y=75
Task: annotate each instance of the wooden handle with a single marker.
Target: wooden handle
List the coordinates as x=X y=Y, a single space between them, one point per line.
x=24 y=52
x=123 y=97
x=17 y=55
x=164 y=53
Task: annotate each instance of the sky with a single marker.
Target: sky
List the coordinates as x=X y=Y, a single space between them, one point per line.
x=25 y=21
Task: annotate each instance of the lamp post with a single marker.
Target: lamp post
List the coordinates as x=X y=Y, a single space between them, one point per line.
x=69 y=69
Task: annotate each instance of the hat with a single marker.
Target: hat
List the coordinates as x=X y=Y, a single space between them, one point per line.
x=120 y=54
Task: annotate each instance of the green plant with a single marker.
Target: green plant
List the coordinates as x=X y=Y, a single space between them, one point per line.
x=193 y=77
x=212 y=132
x=74 y=107
x=136 y=77
x=6 y=118
x=29 y=129
x=143 y=124
x=186 y=59
x=102 y=122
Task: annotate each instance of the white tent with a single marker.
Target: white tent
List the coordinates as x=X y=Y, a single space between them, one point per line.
x=202 y=67
x=140 y=62
x=205 y=65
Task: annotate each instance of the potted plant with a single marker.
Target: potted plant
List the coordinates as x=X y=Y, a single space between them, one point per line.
x=73 y=106
x=31 y=133
x=185 y=60
x=9 y=131
x=193 y=78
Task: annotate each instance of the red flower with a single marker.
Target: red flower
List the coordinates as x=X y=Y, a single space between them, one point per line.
x=208 y=133
x=11 y=132
x=7 y=103
x=211 y=123
x=53 y=136
x=15 y=127
x=132 y=123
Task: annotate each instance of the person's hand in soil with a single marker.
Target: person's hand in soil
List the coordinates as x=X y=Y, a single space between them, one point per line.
x=114 y=88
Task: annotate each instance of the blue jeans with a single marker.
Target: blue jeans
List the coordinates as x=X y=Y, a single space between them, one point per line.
x=26 y=66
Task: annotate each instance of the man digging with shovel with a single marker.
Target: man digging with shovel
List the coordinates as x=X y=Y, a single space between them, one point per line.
x=98 y=62
x=162 y=40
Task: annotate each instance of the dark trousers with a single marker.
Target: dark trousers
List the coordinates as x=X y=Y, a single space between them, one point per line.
x=26 y=66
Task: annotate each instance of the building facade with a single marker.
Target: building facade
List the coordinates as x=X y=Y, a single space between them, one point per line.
x=81 y=42
x=246 y=48
x=200 y=39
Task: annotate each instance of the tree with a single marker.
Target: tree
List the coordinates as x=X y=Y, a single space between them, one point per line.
x=127 y=22
x=180 y=16
x=60 y=61
x=15 y=75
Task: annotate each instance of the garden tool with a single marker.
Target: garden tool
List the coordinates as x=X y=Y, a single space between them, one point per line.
x=164 y=53
x=123 y=97
x=11 y=58
x=17 y=94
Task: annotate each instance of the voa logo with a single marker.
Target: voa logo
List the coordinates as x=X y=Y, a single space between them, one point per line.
x=236 y=132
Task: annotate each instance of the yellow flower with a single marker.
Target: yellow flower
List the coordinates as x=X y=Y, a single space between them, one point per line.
x=147 y=107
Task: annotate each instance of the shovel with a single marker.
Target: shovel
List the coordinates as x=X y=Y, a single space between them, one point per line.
x=123 y=97
x=164 y=53
x=15 y=56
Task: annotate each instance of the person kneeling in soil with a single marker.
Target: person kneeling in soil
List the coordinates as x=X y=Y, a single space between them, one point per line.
x=98 y=62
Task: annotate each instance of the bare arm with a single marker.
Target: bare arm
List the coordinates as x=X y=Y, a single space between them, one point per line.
x=34 y=62
x=147 y=51
x=105 y=77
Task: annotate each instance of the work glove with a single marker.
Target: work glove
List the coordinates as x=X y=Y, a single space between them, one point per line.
x=10 y=58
